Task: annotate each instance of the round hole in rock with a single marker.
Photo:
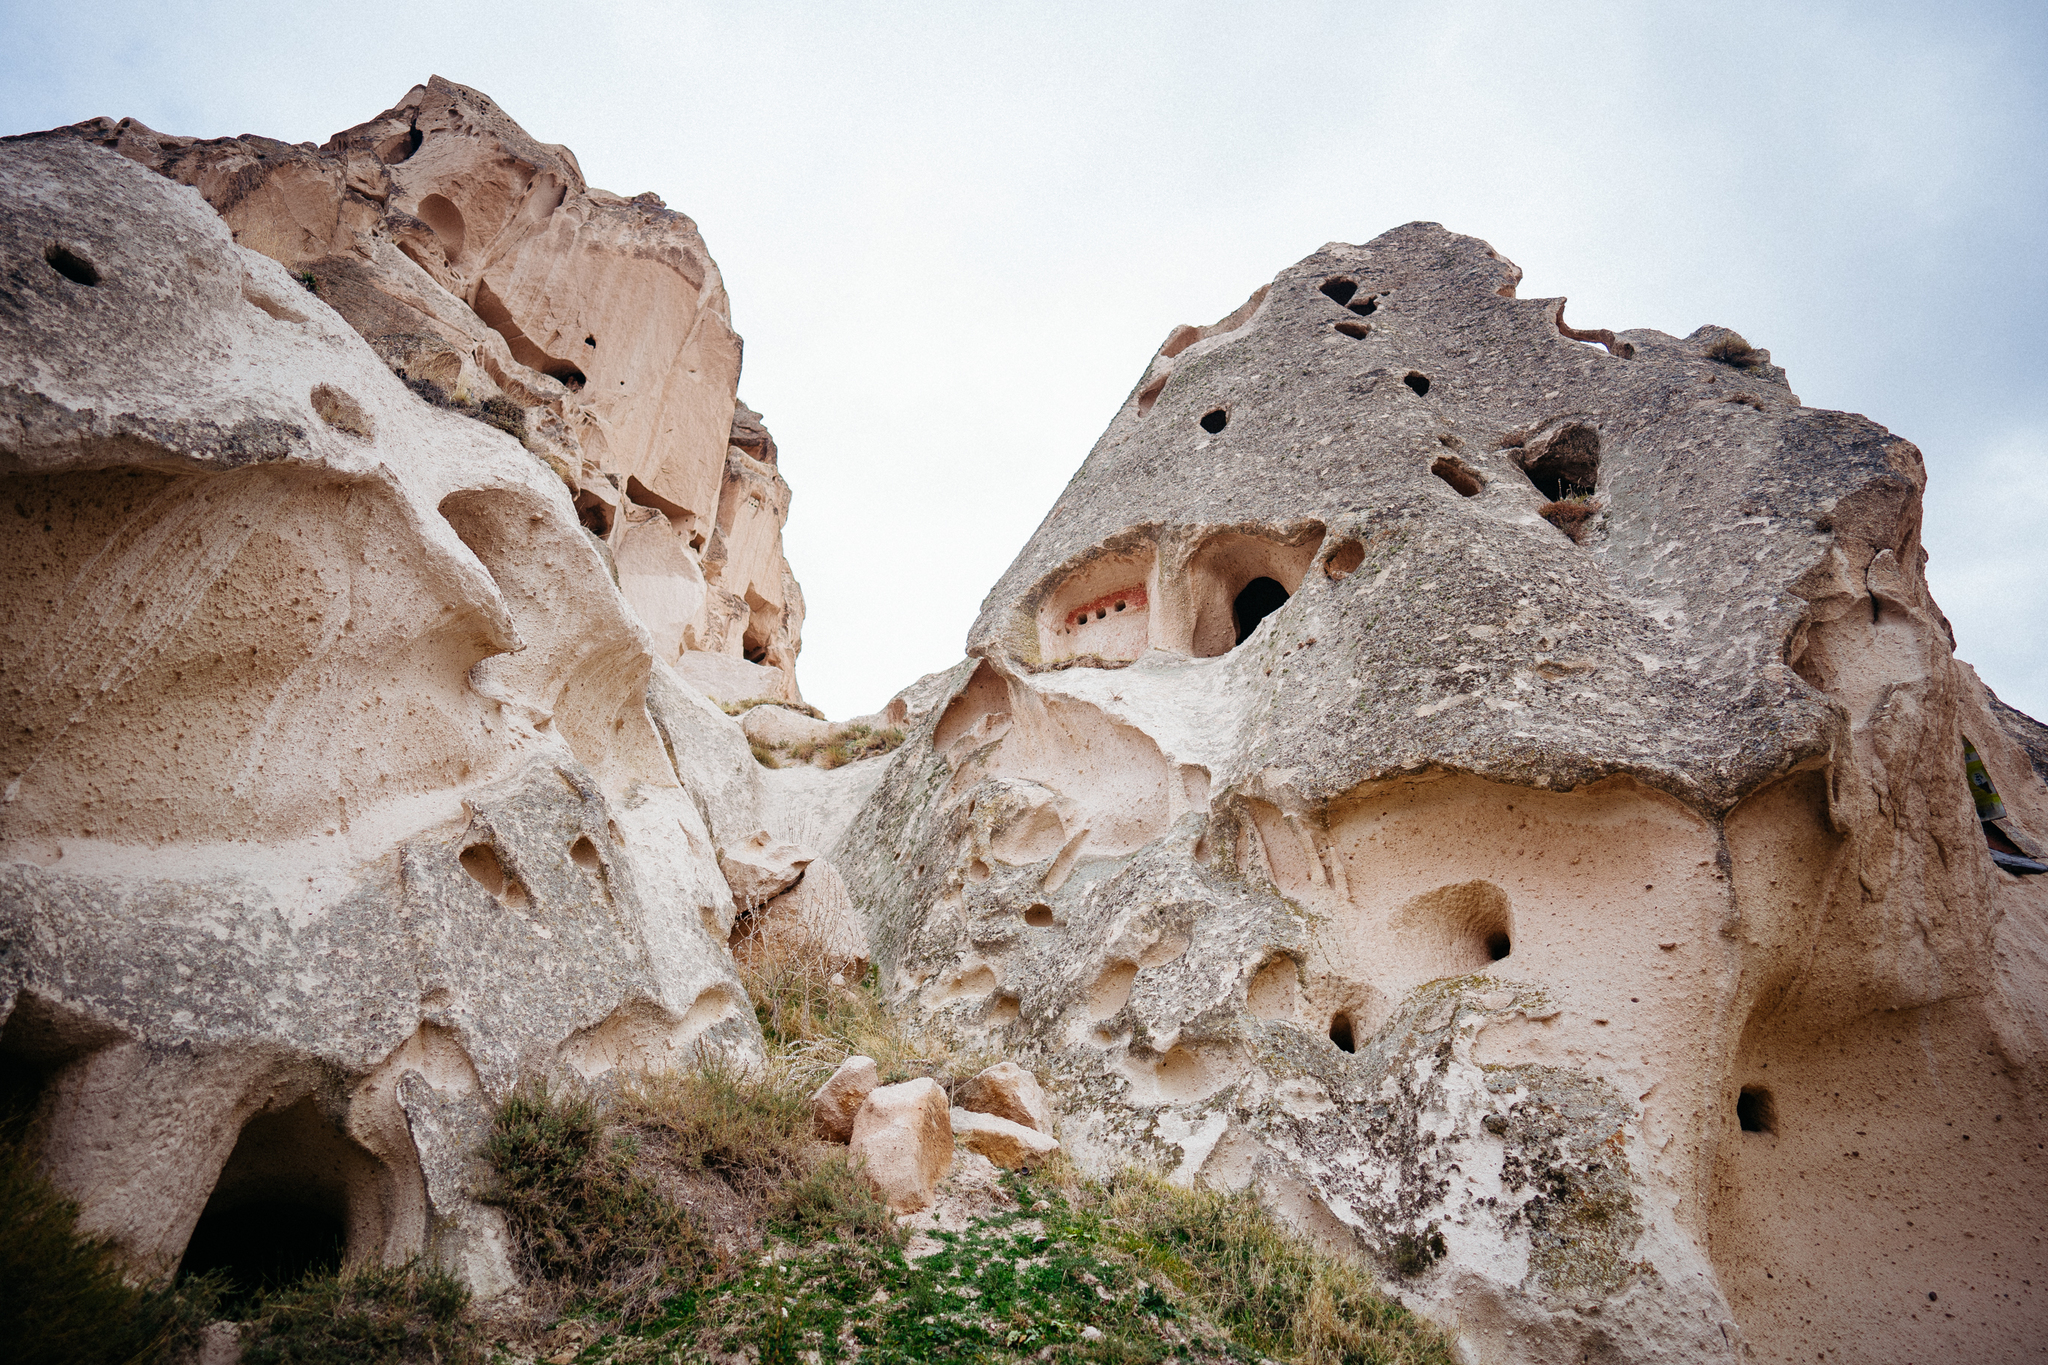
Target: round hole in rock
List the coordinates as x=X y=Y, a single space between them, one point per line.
x=1755 y=1111
x=1342 y=1032
x=1367 y=307
x=1261 y=598
x=1417 y=381
x=71 y=265
x=1458 y=475
x=1355 y=330
x=1038 y=916
x=1338 y=290
x=1214 y=420
x=1344 y=560
x=1120 y=606
x=591 y=342
x=583 y=853
x=1498 y=946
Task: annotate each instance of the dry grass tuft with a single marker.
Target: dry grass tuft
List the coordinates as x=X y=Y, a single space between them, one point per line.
x=1731 y=349
x=1573 y=516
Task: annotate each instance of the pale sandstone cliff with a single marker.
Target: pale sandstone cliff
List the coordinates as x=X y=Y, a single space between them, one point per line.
x=477 y=260
x=1596 y=928
x=343 y=790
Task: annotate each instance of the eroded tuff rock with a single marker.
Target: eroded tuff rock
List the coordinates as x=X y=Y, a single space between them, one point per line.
x=343 y=787
x=477 y=261
x=1500 y=788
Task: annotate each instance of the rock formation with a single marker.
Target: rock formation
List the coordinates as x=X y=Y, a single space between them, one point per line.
x=1501 y=789
x=347 y=783
x=481 y=267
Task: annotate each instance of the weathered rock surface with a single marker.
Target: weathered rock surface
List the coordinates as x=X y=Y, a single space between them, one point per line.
x=839 y=1099
x=903 y=1138
x=1007 y=1091
x=1011 y=1145
x=1594 y=926
x=343 y=788
x=478 y=261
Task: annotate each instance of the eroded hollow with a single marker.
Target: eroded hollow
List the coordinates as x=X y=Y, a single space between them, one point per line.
x=1038 y=916
x=1338 y=290
x=1417 y=381
x=1755 y=1111
x=1261 y=598
x=584 y=854
x=1356 y=330
x=1498 y=945
x=1214 y=420
x=1344 y=560
x=71 y=265
x=1567 y=465
x=1342 y=1031
x=1458 y=475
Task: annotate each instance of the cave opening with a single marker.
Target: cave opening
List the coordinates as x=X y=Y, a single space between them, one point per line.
x=1260 y=598
x=1342 y=1032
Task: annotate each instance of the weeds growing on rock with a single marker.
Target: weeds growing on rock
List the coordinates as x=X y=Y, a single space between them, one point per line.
x=1574 y=516
x=371 y=1315
x=1731 y=349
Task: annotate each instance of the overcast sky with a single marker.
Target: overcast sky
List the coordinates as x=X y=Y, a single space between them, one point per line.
x=954 y=233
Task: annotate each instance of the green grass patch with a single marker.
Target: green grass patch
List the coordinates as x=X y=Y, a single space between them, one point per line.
x=374 y=1315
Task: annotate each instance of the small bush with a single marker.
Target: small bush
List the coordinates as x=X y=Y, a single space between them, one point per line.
x=753 y=1133
x=582 y=1215
x=65 y=1298
x=312 y=286
x=1731 y=349
x=374 y=1315
x=504 y=414
x=833 y=1200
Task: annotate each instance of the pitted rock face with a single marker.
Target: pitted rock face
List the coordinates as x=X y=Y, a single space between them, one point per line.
x=342 y=788
x=479 y=264
x=1500 y=789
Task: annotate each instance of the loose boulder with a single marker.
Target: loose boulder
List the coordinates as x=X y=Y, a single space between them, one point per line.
x=904 y=1136
x=1008 y=1144
x=1007 y=1091
x=839 y=1099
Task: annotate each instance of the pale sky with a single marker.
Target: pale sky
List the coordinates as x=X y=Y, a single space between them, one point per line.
x=954 y=233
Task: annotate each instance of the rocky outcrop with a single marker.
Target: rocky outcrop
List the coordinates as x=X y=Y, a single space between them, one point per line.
x=1500 y=788
x=484 y=270
x=344 y=787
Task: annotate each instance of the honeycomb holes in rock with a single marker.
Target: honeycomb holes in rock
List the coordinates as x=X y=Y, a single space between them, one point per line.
x=1755 y=1111
x=1214 y=420
x=1459 y=475
x=1344 y=560
x=1418 y=381
x=1039 y=916
x=584 y=854
x=71 y=265
x=1344 y=291
x=481 y=862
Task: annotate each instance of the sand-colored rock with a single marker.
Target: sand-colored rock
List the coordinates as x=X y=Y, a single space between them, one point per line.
x=782 y=725
x=815 y=921
x=1011 y=1145
x=761 y=868
x=1007 y=1091
x=903 y=1138
x=343 y=788
x=1608 y=909
x=477 y=260
x=838 y=1100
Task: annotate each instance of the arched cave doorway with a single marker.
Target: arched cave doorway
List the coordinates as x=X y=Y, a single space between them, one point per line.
x=285 y=1205
x=1261 y=598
